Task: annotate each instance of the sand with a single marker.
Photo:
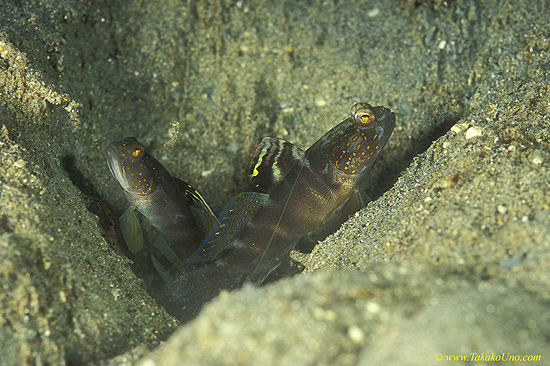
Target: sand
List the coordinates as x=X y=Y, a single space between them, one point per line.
x=448 y=264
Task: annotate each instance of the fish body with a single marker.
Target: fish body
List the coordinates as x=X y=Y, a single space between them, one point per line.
x=322 y=181
x=303 y=189
x=176 y=210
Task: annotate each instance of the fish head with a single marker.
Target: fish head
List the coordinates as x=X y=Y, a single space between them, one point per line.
x=350 y=148
x=138 y=173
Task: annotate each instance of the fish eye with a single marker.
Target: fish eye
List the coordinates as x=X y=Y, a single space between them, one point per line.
x=362 y=114
x=137 y=152
x=363 y=117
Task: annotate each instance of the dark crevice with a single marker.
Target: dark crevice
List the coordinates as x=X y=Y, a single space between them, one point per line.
x=386 y=176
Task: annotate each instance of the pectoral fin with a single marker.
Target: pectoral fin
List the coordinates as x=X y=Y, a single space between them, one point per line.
x=161 y=269
x=268 y=264
x=356 y=201
x=165 y=260
x=164 y=250
x=131 y=230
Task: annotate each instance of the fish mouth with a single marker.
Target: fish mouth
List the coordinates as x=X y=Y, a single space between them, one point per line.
x=388 y=118
x=115 y=166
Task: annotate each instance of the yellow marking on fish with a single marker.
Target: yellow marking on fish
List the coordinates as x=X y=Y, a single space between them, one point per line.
x=260 y=158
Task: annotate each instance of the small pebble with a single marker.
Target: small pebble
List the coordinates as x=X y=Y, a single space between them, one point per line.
x=502 y=209
x=233 y=147
x=356 y=335
x=373 y=307
x=459 y=127
x=473 y=132
x=330 y=315
x=374 y=12
x=320 y=102
x=19 y=163
x=536 y=158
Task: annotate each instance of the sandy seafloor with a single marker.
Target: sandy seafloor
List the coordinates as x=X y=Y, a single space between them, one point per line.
x=451 y=261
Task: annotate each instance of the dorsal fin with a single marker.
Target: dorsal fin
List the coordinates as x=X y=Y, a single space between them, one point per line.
x=200 y=208
x=233 y=218
x=271 y=161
